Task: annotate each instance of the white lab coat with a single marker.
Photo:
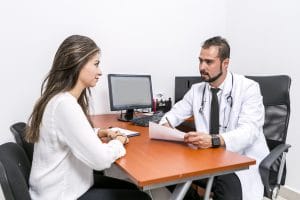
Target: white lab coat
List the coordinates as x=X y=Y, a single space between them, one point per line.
x=241 y=125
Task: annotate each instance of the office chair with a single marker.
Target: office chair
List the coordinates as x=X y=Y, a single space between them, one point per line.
x=277 y=113
x=276 y=99
x=18 y=130
x=183 y=84
x=14 y=172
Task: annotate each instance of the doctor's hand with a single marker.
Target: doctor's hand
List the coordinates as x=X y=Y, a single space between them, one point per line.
x=199 y=139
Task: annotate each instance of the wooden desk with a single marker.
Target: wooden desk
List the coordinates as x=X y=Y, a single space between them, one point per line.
x=157 y=163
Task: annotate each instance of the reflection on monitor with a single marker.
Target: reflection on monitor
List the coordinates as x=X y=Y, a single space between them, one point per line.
x=129 y=92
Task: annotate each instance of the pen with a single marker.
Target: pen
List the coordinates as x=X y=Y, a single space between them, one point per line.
x=169 y=122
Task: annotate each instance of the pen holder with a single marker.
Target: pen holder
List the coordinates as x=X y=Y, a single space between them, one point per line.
x=161 y=105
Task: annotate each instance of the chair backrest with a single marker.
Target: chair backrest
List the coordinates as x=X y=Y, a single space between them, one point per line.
x=14 y=172
x=18 y=130
x=183 y=84
x=276 y=99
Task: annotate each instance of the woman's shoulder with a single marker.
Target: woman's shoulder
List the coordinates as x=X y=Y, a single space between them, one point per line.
x=63 y=99
x=65 y=96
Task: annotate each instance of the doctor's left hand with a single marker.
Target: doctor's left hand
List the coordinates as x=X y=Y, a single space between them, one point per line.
x=199 y=139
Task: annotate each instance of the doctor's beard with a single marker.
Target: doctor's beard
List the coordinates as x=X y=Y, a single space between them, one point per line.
x=211 y=79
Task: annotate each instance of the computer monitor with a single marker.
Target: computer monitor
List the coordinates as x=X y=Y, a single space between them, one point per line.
x=129 y=92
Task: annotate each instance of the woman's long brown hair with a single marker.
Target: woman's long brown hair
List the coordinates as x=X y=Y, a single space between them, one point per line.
x=71 y=56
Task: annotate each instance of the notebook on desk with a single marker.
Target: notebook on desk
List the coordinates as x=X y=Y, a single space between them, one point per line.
x=126 y=132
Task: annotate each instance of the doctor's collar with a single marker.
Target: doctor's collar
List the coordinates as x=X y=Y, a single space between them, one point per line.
x=224 y=83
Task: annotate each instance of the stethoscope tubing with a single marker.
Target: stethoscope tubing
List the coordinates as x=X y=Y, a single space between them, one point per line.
x=229 y=100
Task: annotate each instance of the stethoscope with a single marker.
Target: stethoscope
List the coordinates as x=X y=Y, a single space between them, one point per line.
x=229 y=101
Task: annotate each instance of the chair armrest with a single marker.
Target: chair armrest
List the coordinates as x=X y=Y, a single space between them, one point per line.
x=267 y=162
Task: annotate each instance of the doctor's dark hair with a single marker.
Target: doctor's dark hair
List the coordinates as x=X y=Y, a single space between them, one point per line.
x=224 y=48
x=74 y=52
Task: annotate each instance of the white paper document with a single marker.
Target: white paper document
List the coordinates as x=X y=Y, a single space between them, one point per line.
x=126 y=132
x=157 y=131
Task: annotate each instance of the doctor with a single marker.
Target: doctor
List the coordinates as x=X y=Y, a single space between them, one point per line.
x=228 y=112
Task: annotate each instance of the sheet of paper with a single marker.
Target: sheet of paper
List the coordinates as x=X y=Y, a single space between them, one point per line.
x=126 y=132
x=157 y=131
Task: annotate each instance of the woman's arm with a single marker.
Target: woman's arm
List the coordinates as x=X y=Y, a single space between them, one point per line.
x=76 y=132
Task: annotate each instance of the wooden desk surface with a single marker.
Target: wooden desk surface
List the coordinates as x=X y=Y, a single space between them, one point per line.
x=150 y=162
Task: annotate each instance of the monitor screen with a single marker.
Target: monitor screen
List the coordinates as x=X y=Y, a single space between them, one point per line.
x=128 y=92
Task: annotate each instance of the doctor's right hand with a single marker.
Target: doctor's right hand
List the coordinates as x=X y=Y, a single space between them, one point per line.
x=199 y=139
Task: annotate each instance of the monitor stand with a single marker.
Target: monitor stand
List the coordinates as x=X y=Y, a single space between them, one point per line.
x=126 y=117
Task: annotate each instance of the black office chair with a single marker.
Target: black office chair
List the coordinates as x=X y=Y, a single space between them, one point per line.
x=276 y=98
x=14 y=172
x=18 y=130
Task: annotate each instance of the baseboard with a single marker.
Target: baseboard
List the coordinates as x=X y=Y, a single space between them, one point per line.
x=288 y=193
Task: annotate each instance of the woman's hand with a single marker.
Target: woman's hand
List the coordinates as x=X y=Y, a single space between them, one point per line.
x=118 y=136
x=122 y=138
x=103 y=134
x=106 y=135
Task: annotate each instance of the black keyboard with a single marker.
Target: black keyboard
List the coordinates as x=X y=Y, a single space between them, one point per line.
x=145 y=119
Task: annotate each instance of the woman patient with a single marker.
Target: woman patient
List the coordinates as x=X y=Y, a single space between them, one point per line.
x=66 y=147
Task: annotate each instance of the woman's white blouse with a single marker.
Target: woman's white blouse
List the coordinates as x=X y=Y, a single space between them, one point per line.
x=67 y=152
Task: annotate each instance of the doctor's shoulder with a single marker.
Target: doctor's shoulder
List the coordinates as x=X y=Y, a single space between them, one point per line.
x=246 y=87
x=194 y=92
x=249 y=83
x=196 y=89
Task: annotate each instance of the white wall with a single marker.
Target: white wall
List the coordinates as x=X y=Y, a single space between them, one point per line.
x=155 y=37
x=265 y=39
x=161 y=38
